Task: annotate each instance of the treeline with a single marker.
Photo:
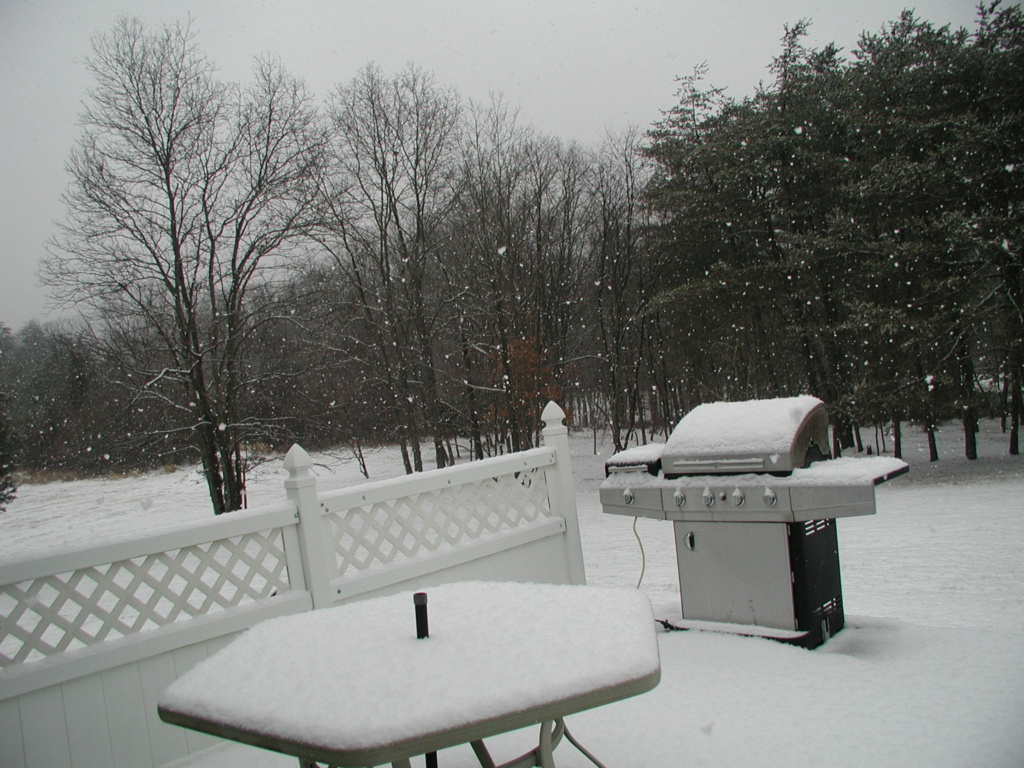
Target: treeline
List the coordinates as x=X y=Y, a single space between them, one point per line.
x=395 y=264
x=855 y=228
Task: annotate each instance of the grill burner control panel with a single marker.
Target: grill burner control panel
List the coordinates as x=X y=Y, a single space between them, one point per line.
x=713 y=499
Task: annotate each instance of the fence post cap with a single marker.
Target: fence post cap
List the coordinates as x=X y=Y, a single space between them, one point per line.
x=552 y=415
x=297 y=462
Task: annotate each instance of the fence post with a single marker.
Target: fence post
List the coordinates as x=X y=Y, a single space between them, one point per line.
x=561 y=491
x=300 y=486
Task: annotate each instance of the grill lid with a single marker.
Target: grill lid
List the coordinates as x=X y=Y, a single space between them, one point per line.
x=764 y=436
x=772 y=436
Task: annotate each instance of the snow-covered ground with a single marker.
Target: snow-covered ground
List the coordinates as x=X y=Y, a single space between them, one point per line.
x=928 y=671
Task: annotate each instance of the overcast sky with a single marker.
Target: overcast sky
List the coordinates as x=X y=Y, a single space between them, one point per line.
x=576 y=68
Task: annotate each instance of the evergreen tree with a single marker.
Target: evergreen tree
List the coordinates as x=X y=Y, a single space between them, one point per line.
x=7 y=486
x=854 y=229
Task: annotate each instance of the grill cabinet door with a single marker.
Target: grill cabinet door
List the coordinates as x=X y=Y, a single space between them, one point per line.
x=817 y=586
x=735 y=572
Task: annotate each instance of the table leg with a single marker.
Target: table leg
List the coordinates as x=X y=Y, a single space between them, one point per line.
x=482 y=755
x=545 y=758
x=541 y=755
x=590 y=757
x=551 y=733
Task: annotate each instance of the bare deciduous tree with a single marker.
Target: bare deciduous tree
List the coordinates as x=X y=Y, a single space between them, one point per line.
x=396 y=142
x=186 y=195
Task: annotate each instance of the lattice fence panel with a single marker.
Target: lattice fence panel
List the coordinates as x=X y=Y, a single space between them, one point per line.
x=49 y=615
x=378 y=534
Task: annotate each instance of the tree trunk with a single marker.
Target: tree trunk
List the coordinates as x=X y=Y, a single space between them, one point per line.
x=357 y=451
x=969 y=411
x=223 y=468
x=212 y=468
x=1004 y=401
x=1015 y=414
x=404 y=446
x=970 y=422
x=842 y=435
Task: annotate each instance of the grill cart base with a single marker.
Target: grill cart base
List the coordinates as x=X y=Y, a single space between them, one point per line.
x=768 y=575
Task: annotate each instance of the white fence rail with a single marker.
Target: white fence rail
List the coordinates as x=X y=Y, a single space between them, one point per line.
x=121 y=620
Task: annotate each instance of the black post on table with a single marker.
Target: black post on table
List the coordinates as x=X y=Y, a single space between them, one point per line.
x=423 y=630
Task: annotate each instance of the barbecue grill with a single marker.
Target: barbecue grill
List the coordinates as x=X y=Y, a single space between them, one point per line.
x=753 y=494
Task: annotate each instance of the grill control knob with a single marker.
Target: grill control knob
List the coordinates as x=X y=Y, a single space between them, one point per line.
x=738 y=498
x=679 y=498
x=709 y=498
x=627 y=496
x=770 y=498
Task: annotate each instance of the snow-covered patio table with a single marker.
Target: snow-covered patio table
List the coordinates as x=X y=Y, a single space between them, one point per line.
x=353 y=686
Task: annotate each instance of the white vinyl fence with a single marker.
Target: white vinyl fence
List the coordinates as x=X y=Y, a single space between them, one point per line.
x=89 y=638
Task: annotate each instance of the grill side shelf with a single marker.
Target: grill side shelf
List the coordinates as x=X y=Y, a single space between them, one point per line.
x=890 y=475
x=635 y=502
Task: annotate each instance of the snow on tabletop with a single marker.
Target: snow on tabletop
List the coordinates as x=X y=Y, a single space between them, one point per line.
x=845 y=471
x=757 y=426
x=356 y=677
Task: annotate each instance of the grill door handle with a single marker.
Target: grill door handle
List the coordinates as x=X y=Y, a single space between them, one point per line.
x=689 y=541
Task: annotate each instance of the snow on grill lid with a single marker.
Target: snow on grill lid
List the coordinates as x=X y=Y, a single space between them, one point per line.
x=773 y=434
